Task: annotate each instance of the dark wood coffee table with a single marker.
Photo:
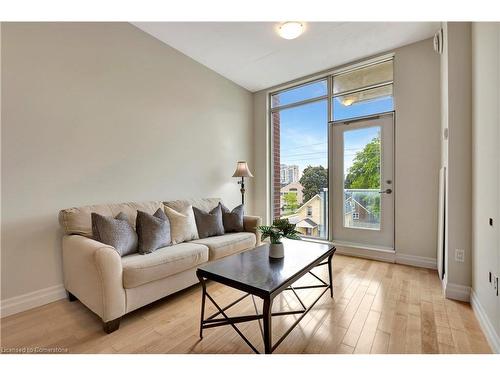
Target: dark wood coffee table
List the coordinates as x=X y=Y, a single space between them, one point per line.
x=254 y=273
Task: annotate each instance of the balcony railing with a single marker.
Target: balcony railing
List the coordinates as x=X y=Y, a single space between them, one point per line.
x=362 y=208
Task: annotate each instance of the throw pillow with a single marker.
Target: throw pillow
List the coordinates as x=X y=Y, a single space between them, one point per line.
x=182 y=224
x=209 y=223
x=233 y=220
x=153 y=231
x=116 y=232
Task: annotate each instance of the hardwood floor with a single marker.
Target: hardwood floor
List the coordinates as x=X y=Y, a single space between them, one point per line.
x=377 y=308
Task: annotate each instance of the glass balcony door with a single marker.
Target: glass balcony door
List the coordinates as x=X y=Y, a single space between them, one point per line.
x=362 y=181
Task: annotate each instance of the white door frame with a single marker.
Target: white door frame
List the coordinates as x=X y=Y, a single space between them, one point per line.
x=385 y=241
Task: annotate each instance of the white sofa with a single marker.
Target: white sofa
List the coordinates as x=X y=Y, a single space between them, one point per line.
x=112 y=286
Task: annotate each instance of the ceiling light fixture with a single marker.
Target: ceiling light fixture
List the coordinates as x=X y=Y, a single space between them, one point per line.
x=347 y=102
x=290 y=30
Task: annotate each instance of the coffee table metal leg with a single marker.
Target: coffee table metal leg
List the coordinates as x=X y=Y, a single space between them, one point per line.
x=267 y=317
x=330 y=270
x=203 y=297
x=257 y=313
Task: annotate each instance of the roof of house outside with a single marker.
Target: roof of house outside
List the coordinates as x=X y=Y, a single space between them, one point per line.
x=302 y=223
x=309 y=201
x=292 y=185
x=307 y=223
x=356 y=203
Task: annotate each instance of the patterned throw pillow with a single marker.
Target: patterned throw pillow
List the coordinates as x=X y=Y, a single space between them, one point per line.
x=233 y=220
x=153 y=231
x=116 y=232
x=182 y=224
x=209 y=223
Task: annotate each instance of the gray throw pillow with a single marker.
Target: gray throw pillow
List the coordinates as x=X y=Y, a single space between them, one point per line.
x=153 y=231
x=116 y=232
x=209 y=223
x=233 y=220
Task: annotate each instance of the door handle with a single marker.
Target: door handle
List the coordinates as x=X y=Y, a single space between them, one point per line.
x=386 y=191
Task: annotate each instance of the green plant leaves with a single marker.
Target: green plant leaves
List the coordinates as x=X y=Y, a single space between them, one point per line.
x=280 y=228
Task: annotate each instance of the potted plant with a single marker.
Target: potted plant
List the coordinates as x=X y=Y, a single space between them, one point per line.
x=281 y=228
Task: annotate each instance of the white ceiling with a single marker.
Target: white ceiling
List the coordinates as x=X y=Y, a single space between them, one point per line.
x=255 y=57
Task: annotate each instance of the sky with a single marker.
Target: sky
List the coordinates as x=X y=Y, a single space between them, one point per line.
x=304 y=129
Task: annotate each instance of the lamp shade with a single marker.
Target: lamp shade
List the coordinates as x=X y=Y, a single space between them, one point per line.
x=242 y=170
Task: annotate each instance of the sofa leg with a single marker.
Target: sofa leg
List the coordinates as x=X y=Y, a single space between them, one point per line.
x=111 y=326
x=71 y=297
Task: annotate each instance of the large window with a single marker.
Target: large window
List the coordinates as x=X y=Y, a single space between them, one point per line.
x=300 y=152
x=299 y=119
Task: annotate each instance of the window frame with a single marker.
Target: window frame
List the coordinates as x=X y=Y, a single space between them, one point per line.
x=363 y=88
x=301 y=102
x=272 y=110
x=328 y=76
x=304 y=101
x=364 y=66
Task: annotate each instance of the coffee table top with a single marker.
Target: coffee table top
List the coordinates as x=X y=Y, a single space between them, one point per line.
x=254 y=272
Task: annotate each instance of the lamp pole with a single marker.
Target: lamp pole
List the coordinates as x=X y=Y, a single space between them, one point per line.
x=242 y=190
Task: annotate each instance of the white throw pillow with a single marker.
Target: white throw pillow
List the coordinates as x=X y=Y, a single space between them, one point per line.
x=182 y=224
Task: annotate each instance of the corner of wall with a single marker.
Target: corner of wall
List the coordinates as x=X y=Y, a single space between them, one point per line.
x=457 y=292
x=456 y=87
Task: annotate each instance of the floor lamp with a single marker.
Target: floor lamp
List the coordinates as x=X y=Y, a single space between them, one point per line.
x=242 y=171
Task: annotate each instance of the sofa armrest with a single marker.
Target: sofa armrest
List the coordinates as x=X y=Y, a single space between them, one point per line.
x=250 y=224
x=93 y=273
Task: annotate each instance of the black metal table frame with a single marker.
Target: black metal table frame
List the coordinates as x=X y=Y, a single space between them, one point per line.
x=267 y=314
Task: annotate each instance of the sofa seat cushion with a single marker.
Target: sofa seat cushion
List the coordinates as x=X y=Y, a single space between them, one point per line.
x=140 y=269
x=231 y=243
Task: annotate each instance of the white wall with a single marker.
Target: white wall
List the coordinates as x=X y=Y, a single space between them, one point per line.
x=103 y=112
x=486 y=169
x=457 y=156
x=417 y=156
x=417 y=153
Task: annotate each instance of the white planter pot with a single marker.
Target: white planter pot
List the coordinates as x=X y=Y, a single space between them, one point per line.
x=276 y=250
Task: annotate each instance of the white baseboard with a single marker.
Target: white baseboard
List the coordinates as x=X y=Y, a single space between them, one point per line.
x=31 y=300
x=417 y=261
x=485 y=323
x=375 y=254
x=457 y=292
x=386 y=256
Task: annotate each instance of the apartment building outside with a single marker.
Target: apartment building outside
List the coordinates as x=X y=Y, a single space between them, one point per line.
x=289 y=174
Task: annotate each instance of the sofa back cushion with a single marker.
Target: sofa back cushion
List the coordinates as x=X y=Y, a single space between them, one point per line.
x=205 y=204
x=77 y=220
